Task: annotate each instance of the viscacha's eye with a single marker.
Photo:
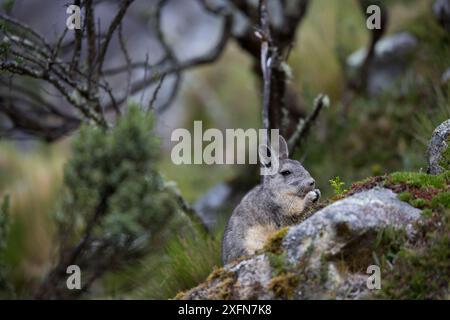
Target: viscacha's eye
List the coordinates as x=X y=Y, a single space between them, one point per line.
x=285 y=173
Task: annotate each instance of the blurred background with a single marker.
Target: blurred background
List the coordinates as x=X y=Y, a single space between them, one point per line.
x=381 y=128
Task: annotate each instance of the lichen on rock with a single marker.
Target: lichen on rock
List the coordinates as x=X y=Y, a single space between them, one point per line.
x=438 y=153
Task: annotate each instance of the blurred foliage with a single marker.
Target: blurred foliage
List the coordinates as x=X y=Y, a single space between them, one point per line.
x=5 y=289
x=185 y=261
x=117 y=167
x=4 y=221
x=376 y=134
x=115 y=204
x=31 y=174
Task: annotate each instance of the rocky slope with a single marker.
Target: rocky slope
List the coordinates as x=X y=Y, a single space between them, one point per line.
x=329 y=254
x=397 y=223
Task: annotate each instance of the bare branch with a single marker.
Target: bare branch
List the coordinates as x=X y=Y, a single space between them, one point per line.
x=151 y=105
x=123 y=47
x=164 y=69
x=266 y=61
x=112 y=28
x=304 y=125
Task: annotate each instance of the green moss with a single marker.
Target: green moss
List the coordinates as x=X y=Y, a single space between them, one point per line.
x=277 y=263
x=323 y=269
x=221 y=282
x=180 y=295
x=421 y=190
x=217 y=273
x=426 y=213
x=273 y=250
x=223 y=290
x=223 y=287
x=405 y=196
x=442 y=199
x=274 y=243
x=283 y=285
x=218 y=286
x=418 y=179
x=419 y=203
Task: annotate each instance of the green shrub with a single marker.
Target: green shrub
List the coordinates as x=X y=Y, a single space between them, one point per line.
x=115 y=204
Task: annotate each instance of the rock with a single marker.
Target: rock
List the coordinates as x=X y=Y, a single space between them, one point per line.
x=389 y=61
x=441 y=9
x=208 y=205
x=355 y=217
x=436 y=146
x=446 y=76
x=326 y=256
x=214 y=207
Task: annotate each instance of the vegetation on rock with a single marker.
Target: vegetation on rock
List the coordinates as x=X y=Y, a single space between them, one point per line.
x=418 y=269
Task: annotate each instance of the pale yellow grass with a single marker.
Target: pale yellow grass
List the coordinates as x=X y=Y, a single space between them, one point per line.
x=34 y=184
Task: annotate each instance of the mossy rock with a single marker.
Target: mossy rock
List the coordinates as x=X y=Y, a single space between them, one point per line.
x=422 y=270
x=274 y=243
x=283 y=286
x=438 y=152
x=218 y=286
x=444 y=162
x=306 y=264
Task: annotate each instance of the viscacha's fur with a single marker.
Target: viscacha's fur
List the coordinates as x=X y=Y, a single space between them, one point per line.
x=279 y=201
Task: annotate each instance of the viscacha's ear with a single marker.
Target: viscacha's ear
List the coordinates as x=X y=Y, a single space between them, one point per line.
x=265 y=155
x=283 y=148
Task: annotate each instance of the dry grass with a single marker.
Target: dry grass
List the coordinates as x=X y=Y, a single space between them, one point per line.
x=33 y=182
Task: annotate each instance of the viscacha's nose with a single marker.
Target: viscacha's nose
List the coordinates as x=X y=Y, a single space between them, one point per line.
x=310 y=183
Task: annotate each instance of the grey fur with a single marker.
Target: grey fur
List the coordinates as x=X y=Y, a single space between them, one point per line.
x=269 y=203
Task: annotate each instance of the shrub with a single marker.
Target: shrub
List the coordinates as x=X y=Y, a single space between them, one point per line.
x=115 y=203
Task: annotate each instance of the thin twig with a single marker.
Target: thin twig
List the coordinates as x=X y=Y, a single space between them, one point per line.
x=155 y=94
x=304 y=125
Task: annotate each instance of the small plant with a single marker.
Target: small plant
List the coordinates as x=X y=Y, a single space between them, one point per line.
x=338 y=186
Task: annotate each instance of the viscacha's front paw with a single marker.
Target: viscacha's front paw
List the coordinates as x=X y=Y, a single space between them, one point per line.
x=312 y=196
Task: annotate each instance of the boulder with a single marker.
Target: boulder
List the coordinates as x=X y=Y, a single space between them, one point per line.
x=389 y=62
x=437 y=146
x=441 y=9
x=207 y=206
x=446 y=76
x=325 y=256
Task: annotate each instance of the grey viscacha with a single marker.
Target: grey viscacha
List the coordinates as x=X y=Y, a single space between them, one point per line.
x=279 y=201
